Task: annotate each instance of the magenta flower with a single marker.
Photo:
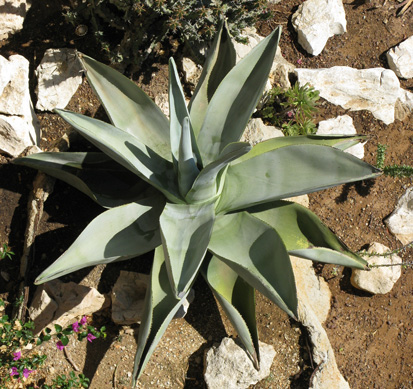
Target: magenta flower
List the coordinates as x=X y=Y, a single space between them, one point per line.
x=90 y=337
x=75 y=326
x=290 y=114
x=14 y=372
x=299 y=61
x=60 y=345
x=83 y=320
x=26 y=372
x=17 y=356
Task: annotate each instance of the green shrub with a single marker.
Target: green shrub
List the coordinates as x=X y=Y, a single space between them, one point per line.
x=212 y=205
x=130 y=31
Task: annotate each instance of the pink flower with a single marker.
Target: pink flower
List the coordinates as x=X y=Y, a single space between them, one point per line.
x=290 y=114
x=17 y=356
x=26 y=372
x=14 y=371
x=90 y=337
x=83 y=320
x=75 y=326
x=60 y=345
x=299 y=61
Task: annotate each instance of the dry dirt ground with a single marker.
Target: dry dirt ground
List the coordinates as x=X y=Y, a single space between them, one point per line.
x=372 y=336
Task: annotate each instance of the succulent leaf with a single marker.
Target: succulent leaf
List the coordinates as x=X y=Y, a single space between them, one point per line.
x=235 y=99
x=303 y=232
x=160 y=308
x=185 y=231
x=127 y=151
x=117 y=234
x=129 y=108
x=93 y=173
x=237 y=299
x=289 y=171
x=220 y=60
x=255 y=251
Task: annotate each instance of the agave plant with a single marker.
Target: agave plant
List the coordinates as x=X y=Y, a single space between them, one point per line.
x=215 y=205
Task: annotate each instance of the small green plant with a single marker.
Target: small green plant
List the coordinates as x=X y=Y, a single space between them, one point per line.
x=292 y=110
x=131 y=31
x=391 y=170
x=206 y=203
x=72 y=381
x=5 y=252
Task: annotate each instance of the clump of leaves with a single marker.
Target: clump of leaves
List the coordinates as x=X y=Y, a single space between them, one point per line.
x=213 y=205
x=391 y=170
x=5 y=252
x=130 y=31
x=71 y=381
x=292 y=110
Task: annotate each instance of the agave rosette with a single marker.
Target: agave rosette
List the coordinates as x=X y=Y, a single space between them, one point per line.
x=216 y=208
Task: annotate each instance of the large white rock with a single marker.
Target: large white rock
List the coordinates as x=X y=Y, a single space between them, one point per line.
x=376 y=90
x=12 y=13
x=19 y=127
x=400 y=222
x=256 y=132
x=313 y=306
x=400 y=58
x=59 y=74
x=341 y=125
x=228 y=366
x=379 y=280
x=61 y=303
x=317 y=20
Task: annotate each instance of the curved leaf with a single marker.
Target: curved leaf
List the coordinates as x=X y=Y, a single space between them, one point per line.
x=95 y=174
x=301 y=230
x=185 y=231
x=236 y=98
x=237 y=299
x=160 y=308
x=256 y=252
x=289 y=171
x=129 y=107
x=127 y=151
x=220 y=60
x=117 y=234
x=341 y=142
x=205 y=186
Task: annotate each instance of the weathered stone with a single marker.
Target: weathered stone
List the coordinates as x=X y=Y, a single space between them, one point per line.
x=19 y=127
x=281 y=71
x=228 y=366
x=400 y=222
x=13 y=13
x=342 y=125
x=61 y=303
x=317 y=20
x=379 y=280
x=241 y=49
x=400 y=58
x=313 y=306
x=256 y=131
x=128 y=297
x=302 y=200
x=192 y=71
x=376 y=90
x=162 y=101
x=59 y=74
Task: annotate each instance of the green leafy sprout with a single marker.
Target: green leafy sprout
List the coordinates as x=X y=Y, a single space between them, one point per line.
x=391 y=170
x=5 y=252
x=205 y=202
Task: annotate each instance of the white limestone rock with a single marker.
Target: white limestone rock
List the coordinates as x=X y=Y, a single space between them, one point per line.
x=379 y=280
x=341 y=125
x=400 y=58
x=19 y=127
x=61 y=303
x=317 y=20
x=400 y=222
x=228 y=366
x=256 y=132
x=192 y=70
x=13 y=13
x=59 y=74
x=313 y=307
x=241 y=49
x=376 y=90
x=162 y=101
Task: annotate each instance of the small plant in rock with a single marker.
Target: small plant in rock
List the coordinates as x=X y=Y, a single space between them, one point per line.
x=292 y=110
x=205 y=202
x=130 y=31
x=5 y=252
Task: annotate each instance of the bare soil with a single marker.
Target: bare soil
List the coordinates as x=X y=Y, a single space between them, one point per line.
x=372 y=336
